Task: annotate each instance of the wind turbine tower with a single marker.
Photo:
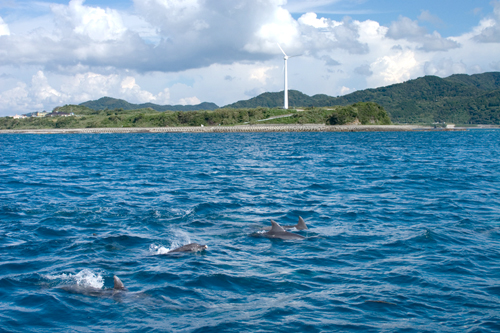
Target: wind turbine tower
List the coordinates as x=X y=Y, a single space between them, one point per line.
x=285 y=104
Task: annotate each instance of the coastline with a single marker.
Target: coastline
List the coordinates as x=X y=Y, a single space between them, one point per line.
x=231 y=129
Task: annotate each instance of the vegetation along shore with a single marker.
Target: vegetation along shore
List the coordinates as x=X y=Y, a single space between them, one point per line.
x=85 y=118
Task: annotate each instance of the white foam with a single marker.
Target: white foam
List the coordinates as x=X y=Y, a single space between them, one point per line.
x=180 y=238
x=85 y=278
x=158 y=249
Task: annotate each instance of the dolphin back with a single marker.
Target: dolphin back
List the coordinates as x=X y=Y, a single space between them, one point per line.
x=118 y=283
x=278 y=231
x=192 y=247
x=301 y=225
x=276 y=227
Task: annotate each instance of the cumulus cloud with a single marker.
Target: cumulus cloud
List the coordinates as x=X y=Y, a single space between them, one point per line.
x=4 y=28
x=312 y=20
x=42 y=91
x=189 y=101
x=405 y=28
x=426 y=15
x=93 y=22
x=490 y=27
x=363 y=70
x=329 y=61
x=24 y=98
x=82 y=35
x=40 y=94
x=345 y=90
x=409 y=30
x=175 y=35
x=444 y=67
x=395 y=68
x=282 y=29
x=260 y=74
x=16 y=99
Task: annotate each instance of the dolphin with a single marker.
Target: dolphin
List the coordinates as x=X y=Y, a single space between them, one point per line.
x=279 y=232
x=118 y=289
x=192 y=247
x=301 y=225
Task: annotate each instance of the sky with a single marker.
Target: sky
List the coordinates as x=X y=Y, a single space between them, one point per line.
x=59 y=52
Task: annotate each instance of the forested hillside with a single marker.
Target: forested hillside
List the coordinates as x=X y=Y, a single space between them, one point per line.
x=461 y=99
x=113 y=103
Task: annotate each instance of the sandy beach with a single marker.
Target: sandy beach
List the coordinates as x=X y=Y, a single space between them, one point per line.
x=226 y=129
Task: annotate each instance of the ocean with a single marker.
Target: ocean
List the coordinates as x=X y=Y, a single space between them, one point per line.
x=404 y=232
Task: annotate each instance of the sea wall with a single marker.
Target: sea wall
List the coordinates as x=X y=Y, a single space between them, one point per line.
x=225 y=129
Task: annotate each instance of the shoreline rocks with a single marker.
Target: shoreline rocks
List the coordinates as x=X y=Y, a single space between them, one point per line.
x=230 y=129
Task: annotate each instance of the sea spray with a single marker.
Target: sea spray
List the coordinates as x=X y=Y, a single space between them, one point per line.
x=158 y=249
x=84 y=278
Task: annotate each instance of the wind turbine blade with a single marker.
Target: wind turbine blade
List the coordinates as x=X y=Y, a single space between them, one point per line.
x=297 y=55
x=282 y=50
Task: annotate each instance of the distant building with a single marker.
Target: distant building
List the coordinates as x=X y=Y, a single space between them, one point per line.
x=59 y=114
x=39 y=114
x=450 y=125
x=19 y=116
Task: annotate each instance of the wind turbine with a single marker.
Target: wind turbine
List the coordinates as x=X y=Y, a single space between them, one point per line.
x=285 y=104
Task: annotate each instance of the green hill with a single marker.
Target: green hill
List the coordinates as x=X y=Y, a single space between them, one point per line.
x=460 y=98
x=275 y=100
x=359 y=113
x=114 y=103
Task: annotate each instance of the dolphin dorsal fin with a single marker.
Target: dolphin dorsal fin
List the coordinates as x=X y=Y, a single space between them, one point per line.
x=301 y=225
x=276 y=227
x=118 y=283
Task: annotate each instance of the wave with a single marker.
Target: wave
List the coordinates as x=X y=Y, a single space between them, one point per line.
x=84 y=278
x=180 y=238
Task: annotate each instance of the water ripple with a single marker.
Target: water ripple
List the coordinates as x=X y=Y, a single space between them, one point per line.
x=404 y=232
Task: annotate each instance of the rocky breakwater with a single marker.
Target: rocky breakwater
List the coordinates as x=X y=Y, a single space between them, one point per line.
x=226 y=129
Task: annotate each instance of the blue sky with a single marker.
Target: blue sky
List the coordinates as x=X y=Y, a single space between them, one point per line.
x=188 y=51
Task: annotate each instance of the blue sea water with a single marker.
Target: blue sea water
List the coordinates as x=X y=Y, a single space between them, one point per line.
x=404 y=232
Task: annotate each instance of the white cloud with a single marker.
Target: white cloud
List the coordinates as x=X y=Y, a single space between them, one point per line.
x=363 y=70
x=394 y=68
x=42 y=91
x=313 y=20
x=128 y=87
x=4 y=28
x=94 y=22
x=261 y=74
x=489 y=30
x=426 y=15
x=189 y=101
x=409 y=30
x=40 y=94
x=344 y=91
x=405 y=28
x=16 y=100
x=282 y=29
x=444 y=67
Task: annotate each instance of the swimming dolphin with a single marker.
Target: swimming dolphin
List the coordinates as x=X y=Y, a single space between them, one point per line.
x=118 y=288
x=193 y=247
x=279 y=232
x=301 y=225
x=118 y=284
